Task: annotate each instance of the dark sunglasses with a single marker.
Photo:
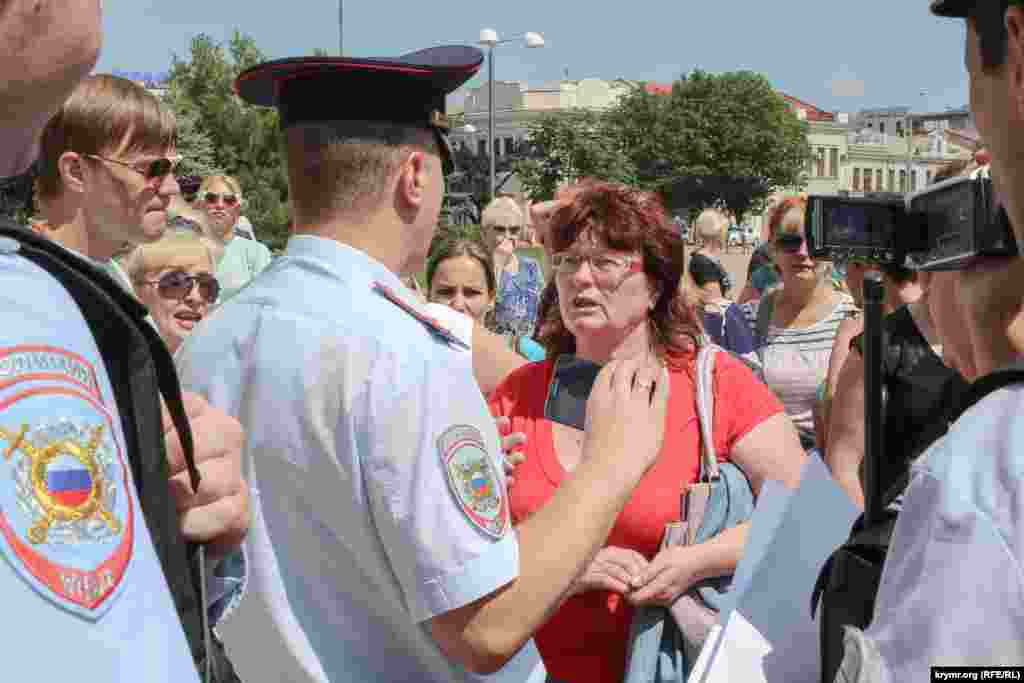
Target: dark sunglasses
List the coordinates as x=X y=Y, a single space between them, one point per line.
x=789 y=242
x=230 y=200
x=510 y=230
x=178 y=284
x=157 y=168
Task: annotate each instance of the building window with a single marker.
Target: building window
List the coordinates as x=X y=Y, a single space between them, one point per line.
x=892 y=180
x=481 y=147
x=899 y=128
x=867 y=180
x=856 y=180
x=928 y=177
x=497 y=147
x=903 y=181
x=913 y=180
x=833 y=162
x=821 y=162
x=878 y=179
x=881 y=127
x=510 y=145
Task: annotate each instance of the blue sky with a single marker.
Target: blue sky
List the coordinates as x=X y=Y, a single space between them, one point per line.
x=841 y=56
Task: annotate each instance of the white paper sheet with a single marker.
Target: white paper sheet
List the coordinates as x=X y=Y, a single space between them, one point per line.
x=770 y=635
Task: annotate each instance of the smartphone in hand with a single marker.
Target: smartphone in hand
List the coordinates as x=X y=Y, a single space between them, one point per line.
x=569 y=390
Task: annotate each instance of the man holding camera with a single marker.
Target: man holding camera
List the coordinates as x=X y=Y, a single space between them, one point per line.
x=958 y=547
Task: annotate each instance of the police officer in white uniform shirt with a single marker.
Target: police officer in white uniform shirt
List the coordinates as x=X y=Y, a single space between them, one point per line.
x=381 y=547
x=81 y=583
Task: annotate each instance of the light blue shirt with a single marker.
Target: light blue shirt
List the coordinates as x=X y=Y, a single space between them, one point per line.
x=85 y=598
x=243 y=260
x=952 y=589
x=378 y=496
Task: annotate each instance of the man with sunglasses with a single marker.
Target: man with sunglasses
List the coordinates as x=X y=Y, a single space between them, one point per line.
x=382 y=547
x=100 y=488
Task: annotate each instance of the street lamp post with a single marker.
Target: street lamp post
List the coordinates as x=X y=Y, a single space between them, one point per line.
x=489 y=39
x=341 y=42
x=910 y=141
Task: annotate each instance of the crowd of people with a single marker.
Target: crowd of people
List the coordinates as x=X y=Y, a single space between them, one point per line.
x=310 y=471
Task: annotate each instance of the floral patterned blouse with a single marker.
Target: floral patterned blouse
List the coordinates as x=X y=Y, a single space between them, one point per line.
x=515 y=311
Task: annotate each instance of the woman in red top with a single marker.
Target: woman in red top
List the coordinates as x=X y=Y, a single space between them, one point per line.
x=617 y=264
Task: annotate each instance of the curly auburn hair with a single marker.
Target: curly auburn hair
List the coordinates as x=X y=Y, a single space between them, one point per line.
x=626 y=219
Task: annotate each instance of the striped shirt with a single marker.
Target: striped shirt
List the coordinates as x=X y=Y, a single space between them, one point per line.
x=795 y=360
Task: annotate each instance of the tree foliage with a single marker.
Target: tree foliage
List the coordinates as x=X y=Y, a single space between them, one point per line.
x=246 y=140
x=726 y=126
x=197 y=151
x=473 y=177
x=569 y=146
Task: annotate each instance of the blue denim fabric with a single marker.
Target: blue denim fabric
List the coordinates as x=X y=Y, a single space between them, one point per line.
x=657 y=652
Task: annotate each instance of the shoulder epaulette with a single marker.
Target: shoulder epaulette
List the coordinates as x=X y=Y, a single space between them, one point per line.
x=435 y=328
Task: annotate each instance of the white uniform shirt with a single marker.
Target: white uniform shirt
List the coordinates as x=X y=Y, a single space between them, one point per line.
x=84 y=599
x=952 y=591
x=352 y=409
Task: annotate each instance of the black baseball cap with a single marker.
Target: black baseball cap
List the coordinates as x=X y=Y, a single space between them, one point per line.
x=410 y=89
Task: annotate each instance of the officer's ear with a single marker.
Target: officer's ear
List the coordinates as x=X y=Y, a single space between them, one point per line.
x=72 y=175
x=414 y=177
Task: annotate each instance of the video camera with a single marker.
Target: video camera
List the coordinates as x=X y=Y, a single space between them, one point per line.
x=943 y=227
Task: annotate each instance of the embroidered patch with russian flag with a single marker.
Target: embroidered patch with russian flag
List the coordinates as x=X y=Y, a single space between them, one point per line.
x=66 y=515
x=473 y=479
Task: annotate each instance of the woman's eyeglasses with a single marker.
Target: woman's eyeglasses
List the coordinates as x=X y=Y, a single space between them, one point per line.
x=230 y=200
x=178 y=284
x=789 y=242
x=155 y=169
x=608 y=269
x=511 y=231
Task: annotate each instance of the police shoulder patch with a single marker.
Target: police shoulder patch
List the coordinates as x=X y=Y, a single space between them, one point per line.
x=473 y=479
x=66 y=515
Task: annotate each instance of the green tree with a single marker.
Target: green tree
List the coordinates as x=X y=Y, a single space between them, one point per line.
x=572 y=145
x=195 y=147
x=246 y=140
x=731 y=129
x=472 y=179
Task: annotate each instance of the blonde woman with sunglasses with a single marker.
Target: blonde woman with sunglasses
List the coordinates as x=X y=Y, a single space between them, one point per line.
x=220 y=200
x=795 y=325
x=173 y=278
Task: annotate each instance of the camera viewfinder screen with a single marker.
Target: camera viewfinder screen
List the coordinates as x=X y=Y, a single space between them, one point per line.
x=859 y=225
x=947 y=214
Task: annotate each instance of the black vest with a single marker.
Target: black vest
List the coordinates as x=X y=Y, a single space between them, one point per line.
x=141 y=371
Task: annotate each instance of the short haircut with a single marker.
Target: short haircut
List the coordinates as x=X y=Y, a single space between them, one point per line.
x=157 y=255
x=503 y=210
x=448 y=247
x=988 y=17
x=712 y=225
x=337 y=167
x=103 y=113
